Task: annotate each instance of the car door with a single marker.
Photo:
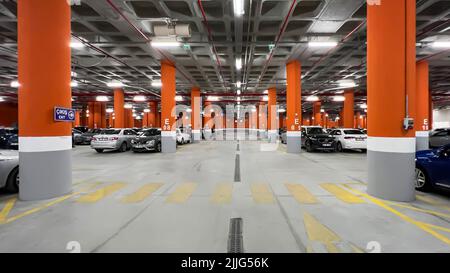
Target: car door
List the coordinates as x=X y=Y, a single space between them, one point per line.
x=440 y=168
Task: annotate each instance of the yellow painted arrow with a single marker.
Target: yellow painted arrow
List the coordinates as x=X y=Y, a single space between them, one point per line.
x=320 y=233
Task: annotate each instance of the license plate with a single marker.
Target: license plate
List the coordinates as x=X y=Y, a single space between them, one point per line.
x=103 y=139
x=138 y=146
x=360 y=139
x=327 y=145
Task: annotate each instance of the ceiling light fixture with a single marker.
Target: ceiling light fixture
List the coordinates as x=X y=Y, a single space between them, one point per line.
x=312 y=98
x=114 y=84
x=441 y=44
x=165 y=44
x=238 y=84
x=73 y=84
x=266 y=98
x=102 y=98
x=156 y=83
x=238 y=7
x=2 y=99
x=363 y=106
x=212 y=98
x=76 y=45
x=146 y=110
x=15 y=84
x=109 y=110
x=238 y=92
x=322 y=44
x=281 y=111
x=128 y=106
x=338 y=98
x=178 y=98
x=239 y=63
x=189 y=110
x=139 y=98
x=347 y=83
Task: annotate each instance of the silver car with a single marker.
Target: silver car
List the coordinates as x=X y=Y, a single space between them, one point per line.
x=113 y=139
x=9 y=170
x=439 y=138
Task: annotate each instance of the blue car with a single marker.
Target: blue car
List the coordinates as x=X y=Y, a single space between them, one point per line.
x=433 y=169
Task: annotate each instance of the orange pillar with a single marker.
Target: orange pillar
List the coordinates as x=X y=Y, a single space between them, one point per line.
x=317 y=107
x=293 y=102
x=145 y=120
x=44 y=68
x=168 y=137
x=423 y=106
x=152 y=114
x=90 y=114
x=272 y=115
x=196 y=118
x=119 y=101
x=430 y=115
x=391 y=84
x=349 y=109
x=77 y=119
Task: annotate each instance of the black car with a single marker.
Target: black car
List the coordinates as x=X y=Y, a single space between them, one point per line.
x=315 y=138
x=5 y=138
x=86 y=138
x=147 y=140
x=82 y=129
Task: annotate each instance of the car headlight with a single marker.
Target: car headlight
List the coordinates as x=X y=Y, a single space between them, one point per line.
x=313 y=139
x=150 y=142
x=133 y=142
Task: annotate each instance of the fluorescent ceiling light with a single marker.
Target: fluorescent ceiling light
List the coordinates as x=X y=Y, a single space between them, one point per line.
x=212 y=98
x=2 y=99
x=115 y=84
x=134 y=115
x=156 y=83
x=281 y=111
x=322 y=44
x=76 y=45
x=239 y=63
x=238 y=6
x=363 y=106
x=74 y=74
x=73 y=84
x=109 y=110
x=189 y=110
x=139 y=98
x=347 y=83
x=312 y=98
x=266 y=98
x=165 y=44
x=238 y=92
x=178 y=98
x=146 y=110
x=322 y=110
x=15 y=84
x=266 y=92
x=102 y=98
x=238 y=84
x=128 y=106
x=338 y=98
x=442 y=44
x=239 y=98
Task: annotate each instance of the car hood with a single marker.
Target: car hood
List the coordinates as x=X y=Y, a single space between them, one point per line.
x=426 y=154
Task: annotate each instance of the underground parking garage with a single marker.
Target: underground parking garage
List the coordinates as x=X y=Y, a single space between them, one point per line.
x=226 y=127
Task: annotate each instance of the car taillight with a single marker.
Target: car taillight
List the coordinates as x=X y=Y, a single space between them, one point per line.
x=94 y=139
x=114 y=138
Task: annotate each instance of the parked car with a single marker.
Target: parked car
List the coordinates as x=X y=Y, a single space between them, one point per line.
x=5 y=135
x=183 y=137
x=433 y=169
x=147 y=140
x=13 y=143
x=439 y=138
x=349 y=139
x=77 y=137
x=82 y=129
x=9 y=170
x=86 y=137
x=113 y=139
x=315 y=138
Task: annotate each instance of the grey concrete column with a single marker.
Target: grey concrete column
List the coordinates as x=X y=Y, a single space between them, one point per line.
x=391 y=168
x=294 y=142
x=168 y=141
x=196 y=136
x=273 y=136
x=422 y=140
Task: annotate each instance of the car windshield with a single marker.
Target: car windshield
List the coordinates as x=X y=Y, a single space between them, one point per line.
x=315 y=131
x=110 y=132
x=94 y=131
x=8 y=131
x=151 y=132
x=353 y=132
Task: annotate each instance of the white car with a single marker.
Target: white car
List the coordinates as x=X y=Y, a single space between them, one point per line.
x=349 y=139
x=183 y=137
x=9 y=170
x=113 y=139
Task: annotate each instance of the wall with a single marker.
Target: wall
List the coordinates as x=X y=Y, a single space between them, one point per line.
x=441 y=118
x=8 y=114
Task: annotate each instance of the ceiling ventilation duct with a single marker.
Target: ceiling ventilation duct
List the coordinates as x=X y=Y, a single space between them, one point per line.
x=178 y=30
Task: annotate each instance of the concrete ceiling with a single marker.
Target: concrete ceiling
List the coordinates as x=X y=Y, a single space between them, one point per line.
x=118 y=51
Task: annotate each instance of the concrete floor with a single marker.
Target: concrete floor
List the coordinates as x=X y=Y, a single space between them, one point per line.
x=183 y=202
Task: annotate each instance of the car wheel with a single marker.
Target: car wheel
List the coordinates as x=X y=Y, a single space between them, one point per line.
x=123 y=147
x=308 y=146
x=12 y=184
x=339 y=147
x=158 y=147
x=422 y=181
x=364 y=151
x=99 y=151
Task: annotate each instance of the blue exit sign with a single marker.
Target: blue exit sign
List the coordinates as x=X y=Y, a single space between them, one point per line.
x=64 y=114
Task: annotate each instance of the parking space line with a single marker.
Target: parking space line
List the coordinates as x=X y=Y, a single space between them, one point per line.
x=342 y=194
x=182 y=193
x=142 y=193
x=101 y=193
x=444 y=215
x=316 y=231
x=301 y=194
x=222 y=194
x=423 y=226
x=433 y=202
x=262 y=194
x=7 y=209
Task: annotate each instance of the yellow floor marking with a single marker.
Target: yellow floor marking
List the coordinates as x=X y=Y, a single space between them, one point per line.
x=423 y=226
x=320 y=233
x=101 y=193
x=301 y=194
x=6 y=209
x=431 y=201
x=356 y=249
x=222 y=194
x=182 y=193
x=342 y=194
x=142 y=193
x=419 y=209
x=437 y=227
x=262 y=194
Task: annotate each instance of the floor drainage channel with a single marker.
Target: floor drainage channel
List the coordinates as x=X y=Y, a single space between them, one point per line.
x=237 y=165
x=235 y=237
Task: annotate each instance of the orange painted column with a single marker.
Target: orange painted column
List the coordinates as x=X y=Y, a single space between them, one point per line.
x=129 y=119
x=430 y=115
x=44 y=69
x=349 y=109
x=119 y=110
x=145 y=120
x=196 y=117
x=90 y=114
x=422 y=125
x=8 y=114
x=272 y=123
x=317 y=114
x=77 y=119
x=153 y=106
x=391 y=97
x=294 y=111
x=168 y=136
x=99 y=115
